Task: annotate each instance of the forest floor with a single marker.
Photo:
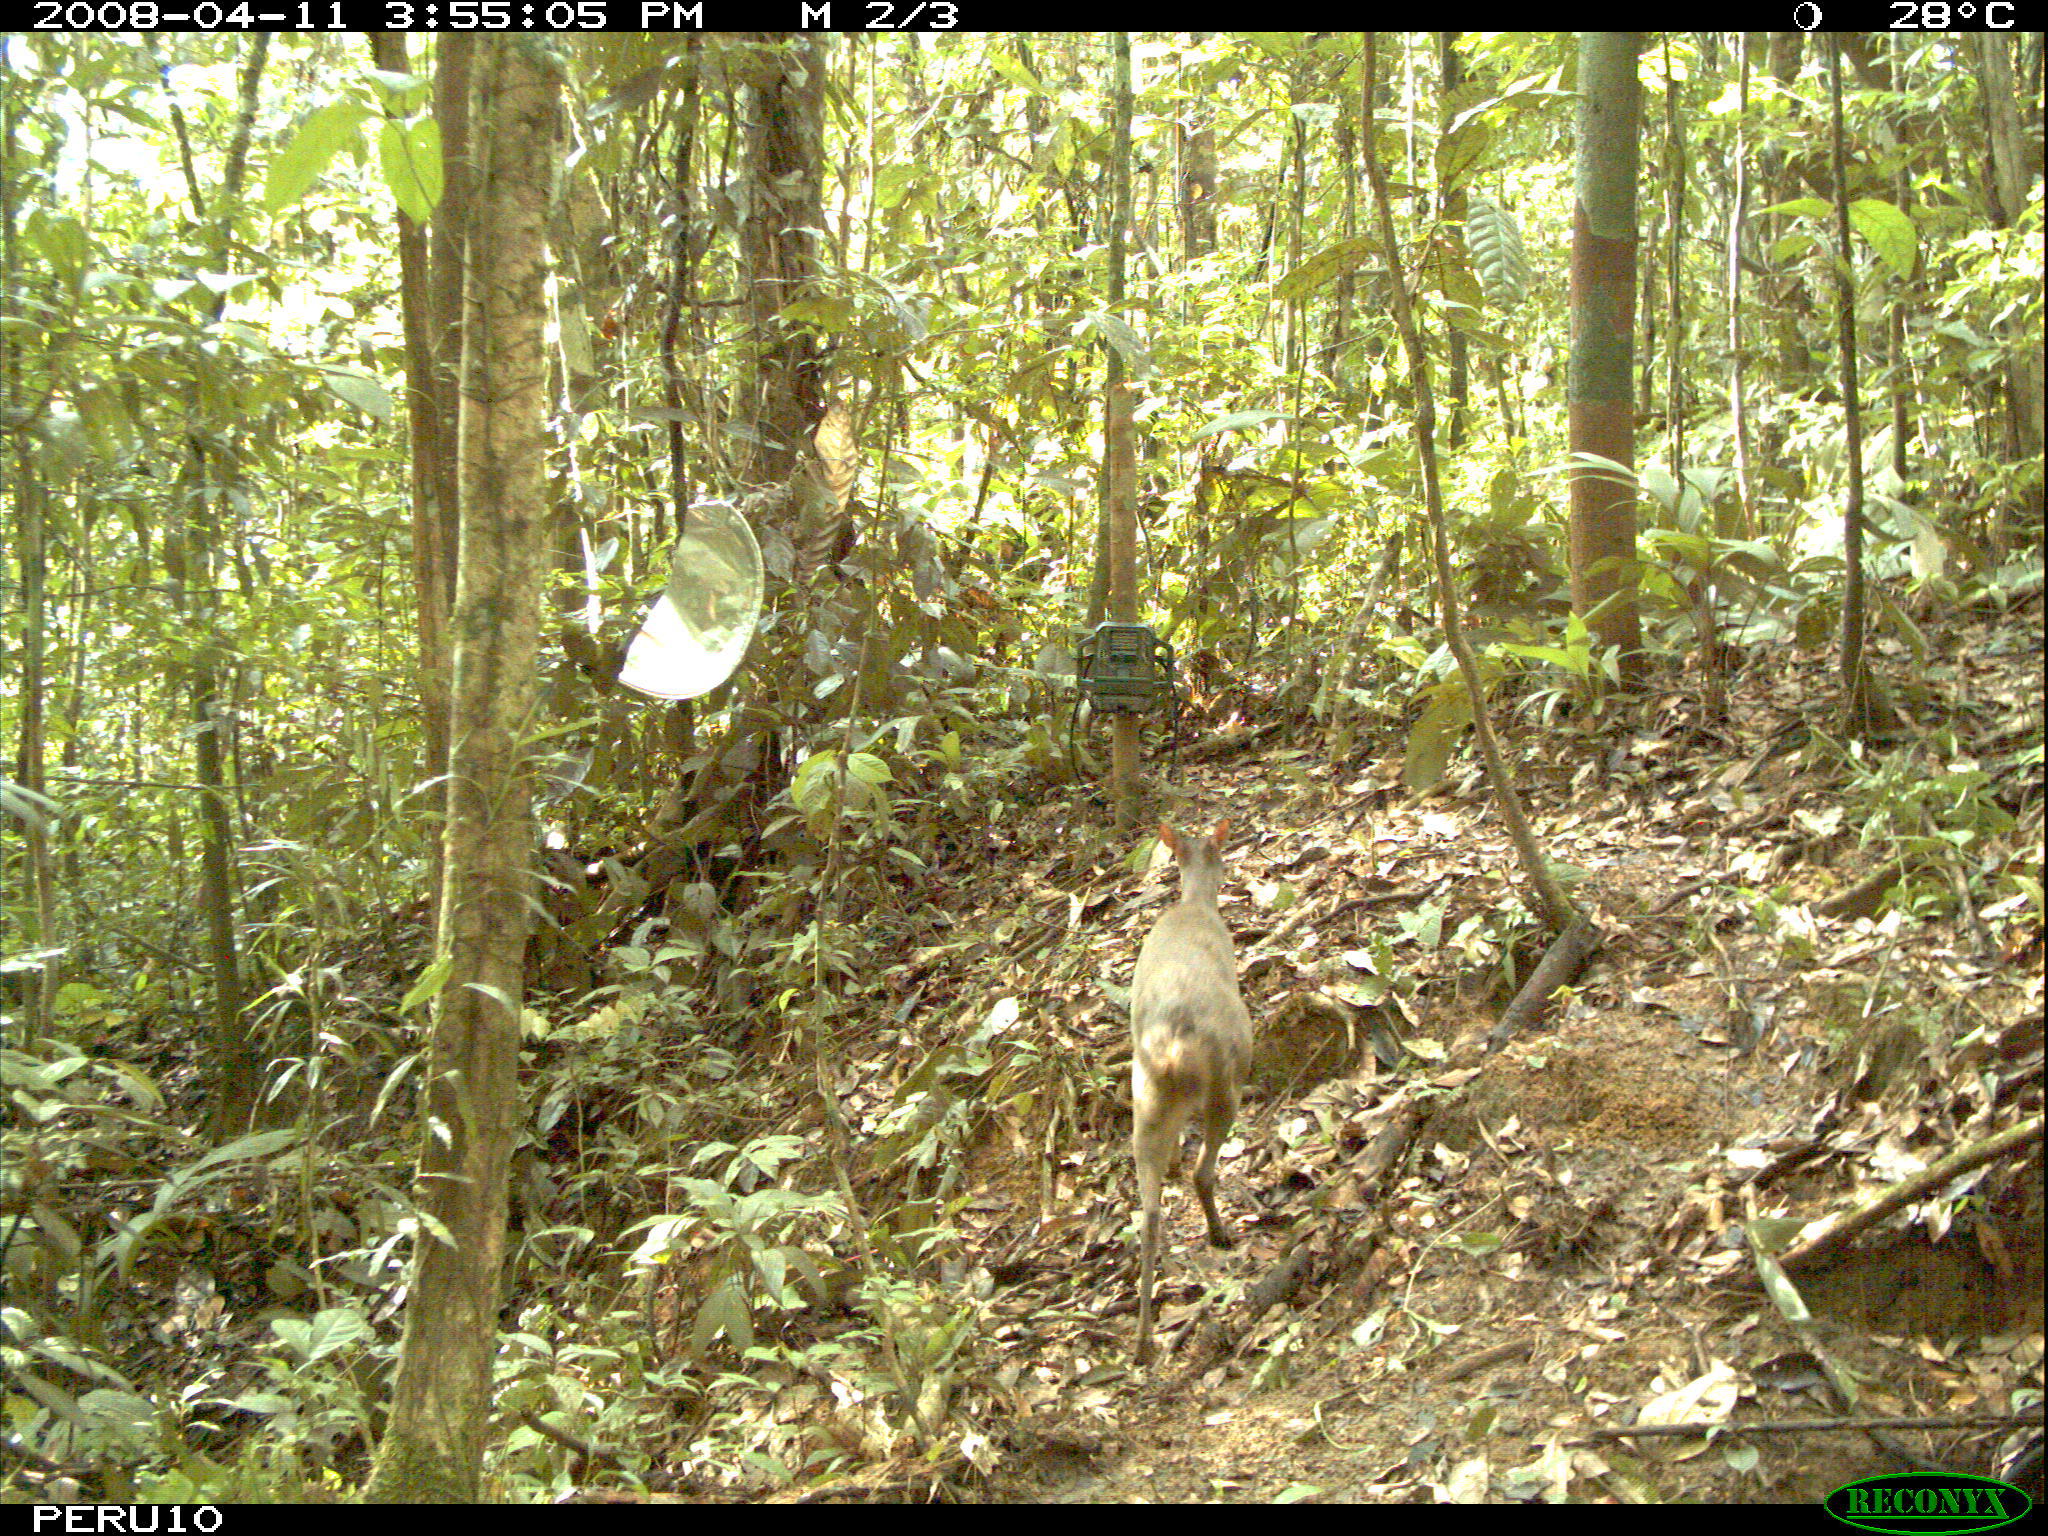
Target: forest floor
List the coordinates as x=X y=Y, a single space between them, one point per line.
x=1563 y=1250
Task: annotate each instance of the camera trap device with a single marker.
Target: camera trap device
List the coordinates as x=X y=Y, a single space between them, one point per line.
x=1124 y=669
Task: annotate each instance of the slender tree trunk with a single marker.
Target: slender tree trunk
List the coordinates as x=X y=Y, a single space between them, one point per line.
x=783 y=110
x=1738 y=410
x=1603 y=520
x=1556 y=905
x=2012 y=169
x=433 y=461
x=1120 y=462
x=440 y=1410
x=1866 y=710
x=236 y=1065
x=1457 y=376
x=1196 y=189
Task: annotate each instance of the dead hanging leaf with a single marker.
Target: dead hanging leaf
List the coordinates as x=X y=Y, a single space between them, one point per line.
x=824 y=489
x=838 y=456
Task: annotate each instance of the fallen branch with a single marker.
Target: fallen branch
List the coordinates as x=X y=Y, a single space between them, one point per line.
x=1226 y=742
x=1837 y=1236
x=1862 y=898
x=1559 y=967
x=1815 y=1426
x=1513 y=1350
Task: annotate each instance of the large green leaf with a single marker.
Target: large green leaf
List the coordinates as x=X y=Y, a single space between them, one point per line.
x=293 y=173
x=1319 y=268
x=60 y=240
x=1431 y=739
x=360 y=391
x=1236 y=421
x=1890 y=232
x=410 y=157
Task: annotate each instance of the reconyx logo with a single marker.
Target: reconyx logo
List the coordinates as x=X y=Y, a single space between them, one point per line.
x=1923 y=1502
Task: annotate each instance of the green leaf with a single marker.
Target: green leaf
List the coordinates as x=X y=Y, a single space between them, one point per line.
x=429 y=986
x=329 y=1330
x=496 y=994
x=293 y=172
x=1890 y=232
x=402 y=92
x=410 y=157
x=724 y=1311
x=243 y=1149
x=1777 y=1284
x=1885 y=226
x=1460 y=151
x=1425 y=925
x=1693 y=551
x=215 y=1165
x=1015 y=73
x=1430 y=742
x=262 y=1402
x=1445 y=269
x=61 y=241
x=1806 y=207
x=104 y=412
x=1236 y=421
x=360 y=391
x=1124 y=339
x=1319 y=268
x=811 y=789
x=1572 y=661
x=52 y=1397
x=221 y=284
x=868 y=768
x=896 y=181
x=806 y=1266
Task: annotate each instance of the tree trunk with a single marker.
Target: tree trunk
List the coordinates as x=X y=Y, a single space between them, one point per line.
x=1603 y=527
x=433 y=1447
x=433 y=471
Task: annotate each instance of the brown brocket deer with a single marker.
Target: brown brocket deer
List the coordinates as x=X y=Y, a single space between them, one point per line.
x=1190 y=1042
